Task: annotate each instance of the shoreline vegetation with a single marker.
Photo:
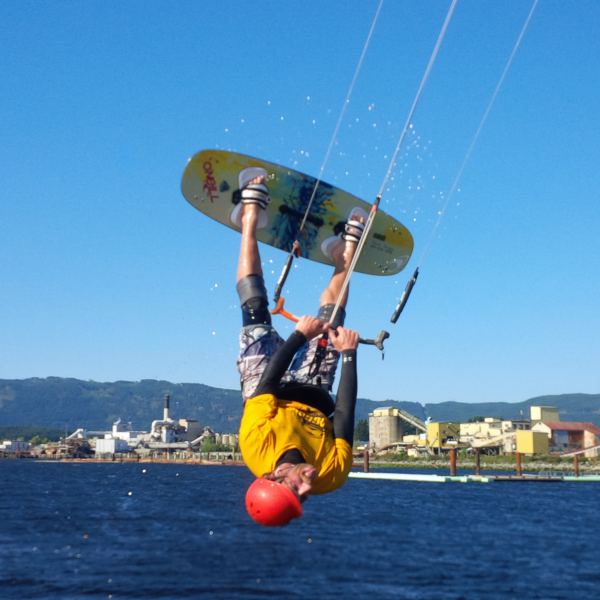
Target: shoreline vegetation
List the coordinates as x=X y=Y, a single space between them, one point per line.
x=542 y=464
x=488 y=463
x=537 y=466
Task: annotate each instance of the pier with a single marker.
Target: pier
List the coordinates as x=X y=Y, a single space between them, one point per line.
x=425 y=478
x=477 y=477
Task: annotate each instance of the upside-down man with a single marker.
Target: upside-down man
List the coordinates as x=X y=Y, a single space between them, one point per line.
x=293 y=437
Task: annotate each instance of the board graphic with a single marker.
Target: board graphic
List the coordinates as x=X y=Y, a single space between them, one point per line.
x=210 y=184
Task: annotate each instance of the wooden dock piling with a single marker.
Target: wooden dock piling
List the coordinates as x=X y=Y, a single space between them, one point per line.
x=452 y=453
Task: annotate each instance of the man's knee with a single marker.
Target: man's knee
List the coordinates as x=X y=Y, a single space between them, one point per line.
x=251 y=286
x=325 y=312
x=253 y=300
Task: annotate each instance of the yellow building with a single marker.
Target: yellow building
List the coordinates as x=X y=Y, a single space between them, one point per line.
x=532 y=442
x=489 y=427
x=440 y=434
x=544 y=414
x=492 y=434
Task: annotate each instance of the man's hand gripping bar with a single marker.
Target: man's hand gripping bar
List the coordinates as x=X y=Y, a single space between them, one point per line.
x=377 y=342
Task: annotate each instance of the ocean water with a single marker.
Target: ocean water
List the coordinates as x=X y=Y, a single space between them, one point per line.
x=74 y=530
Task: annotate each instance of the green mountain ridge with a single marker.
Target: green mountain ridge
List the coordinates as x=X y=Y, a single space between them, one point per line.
x=66 y=404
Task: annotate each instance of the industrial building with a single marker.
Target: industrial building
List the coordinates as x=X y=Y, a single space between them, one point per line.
x=532 y=442
x=442 y=435
x=543 y=414
x=493 y=434
x=106 y=446
x=388 y=427
x=542 y=433
x=165 y=435
x=569 y=436
x=14 y=446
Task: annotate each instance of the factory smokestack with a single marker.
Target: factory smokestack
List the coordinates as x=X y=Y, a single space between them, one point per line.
x=166 y=416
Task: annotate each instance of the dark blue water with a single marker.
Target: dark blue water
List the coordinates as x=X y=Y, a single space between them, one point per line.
x=178 y=531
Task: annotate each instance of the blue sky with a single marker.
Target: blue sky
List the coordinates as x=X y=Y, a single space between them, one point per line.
x=107 y=273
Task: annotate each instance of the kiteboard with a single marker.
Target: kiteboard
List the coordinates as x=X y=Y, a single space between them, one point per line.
x=210 y=184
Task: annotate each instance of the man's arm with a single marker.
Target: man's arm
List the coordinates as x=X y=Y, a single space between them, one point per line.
x=346 y=342
x=306 y=329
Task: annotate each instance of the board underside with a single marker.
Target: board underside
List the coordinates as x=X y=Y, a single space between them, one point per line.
x=210 y=184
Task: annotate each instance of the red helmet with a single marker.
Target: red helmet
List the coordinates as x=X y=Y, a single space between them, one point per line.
x=271 y=503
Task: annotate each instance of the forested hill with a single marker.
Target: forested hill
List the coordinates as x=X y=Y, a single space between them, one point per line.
x=572 y=407
x=67 y=404
x=72 y=403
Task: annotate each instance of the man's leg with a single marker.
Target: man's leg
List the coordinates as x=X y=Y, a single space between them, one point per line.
x=250 y=283
x=258 y=339
x=341 y=255
x=308 y=367
x=249 y=258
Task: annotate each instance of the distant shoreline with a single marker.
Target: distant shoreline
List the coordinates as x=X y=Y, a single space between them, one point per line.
x=467 y=465
x=562 y=467
x=127 y=460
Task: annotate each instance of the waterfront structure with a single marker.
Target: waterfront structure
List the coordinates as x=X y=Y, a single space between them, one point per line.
x=71 y=447
x=566 y=436
x=165 y=435
x=169 y=431
x=124 y=433
x=492 y=434
x=228 y=439
x=387 y=426
x=109 y=446
x=14 y=446
x=543 y=414
x=531 y=442
x=118 y=431
x=442 y=435
x=387 y=433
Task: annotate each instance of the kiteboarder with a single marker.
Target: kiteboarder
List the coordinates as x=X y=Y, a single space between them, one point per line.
x=293 y=437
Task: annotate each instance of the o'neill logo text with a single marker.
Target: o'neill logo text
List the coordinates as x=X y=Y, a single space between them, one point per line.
x=210 y=183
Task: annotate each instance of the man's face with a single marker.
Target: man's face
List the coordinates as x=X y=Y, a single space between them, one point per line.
x=297 y=478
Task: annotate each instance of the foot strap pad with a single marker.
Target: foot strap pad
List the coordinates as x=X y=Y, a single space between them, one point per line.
x=353 y=231
x=256 y=193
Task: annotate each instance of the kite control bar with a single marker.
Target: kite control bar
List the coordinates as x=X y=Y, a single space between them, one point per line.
x=377 y=341
x=279 y=310
x=383 y=335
